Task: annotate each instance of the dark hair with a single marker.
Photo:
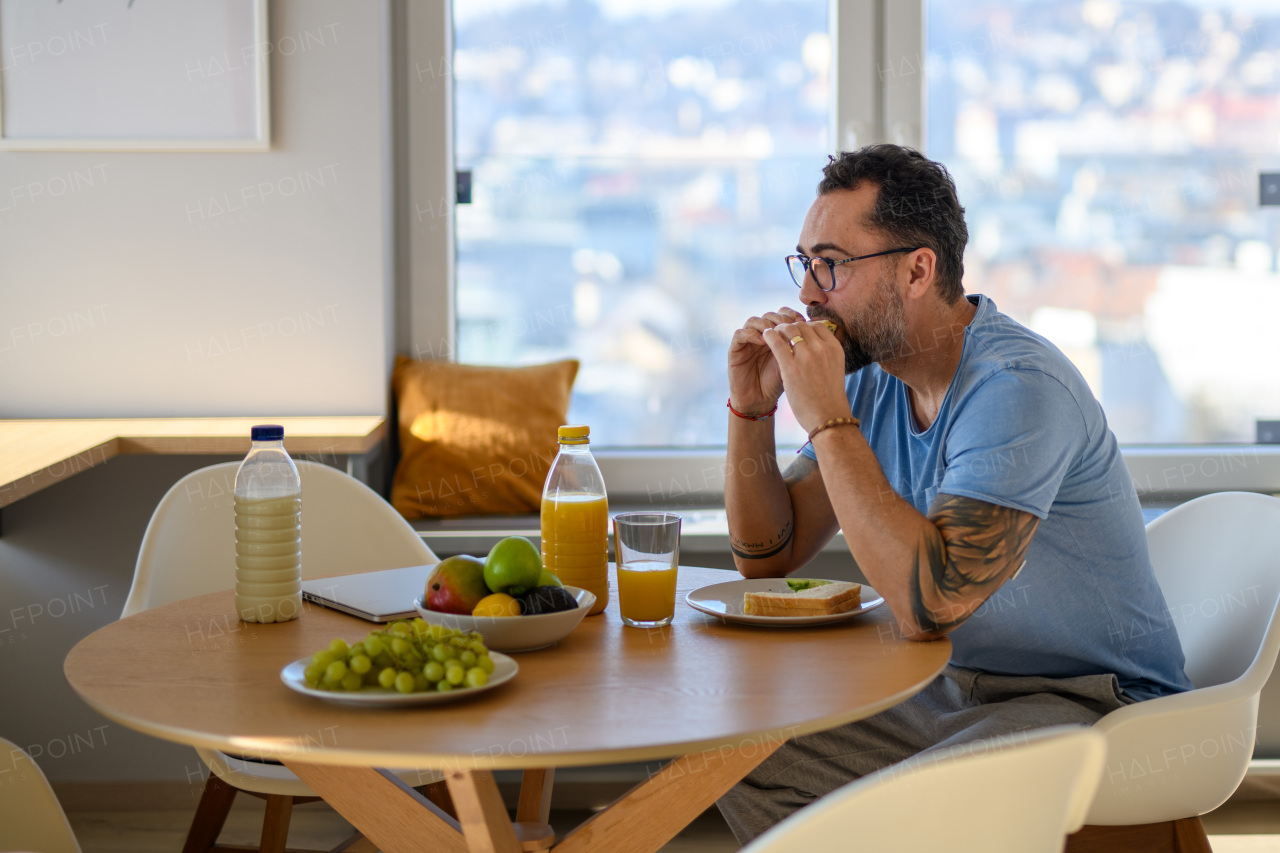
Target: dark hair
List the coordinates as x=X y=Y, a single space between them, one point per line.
x=916 y=205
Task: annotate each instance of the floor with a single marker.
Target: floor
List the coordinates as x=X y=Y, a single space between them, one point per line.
x=1237 y=827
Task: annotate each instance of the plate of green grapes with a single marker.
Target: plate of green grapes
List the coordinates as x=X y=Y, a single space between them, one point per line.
x=408 y=663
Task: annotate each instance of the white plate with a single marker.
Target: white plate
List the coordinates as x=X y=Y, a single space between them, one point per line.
x=504 y=669
x=516 y=633
x=725 y=600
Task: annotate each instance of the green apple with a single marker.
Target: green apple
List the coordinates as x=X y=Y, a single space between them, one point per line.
x=513 y=566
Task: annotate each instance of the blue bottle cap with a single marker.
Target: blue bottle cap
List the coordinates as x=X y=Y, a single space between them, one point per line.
x=267 y=432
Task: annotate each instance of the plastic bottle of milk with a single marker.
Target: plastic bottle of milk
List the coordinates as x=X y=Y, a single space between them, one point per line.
x=268 y=531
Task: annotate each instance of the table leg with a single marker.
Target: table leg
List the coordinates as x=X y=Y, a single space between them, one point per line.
x=535 y=795
x=654 y=811
x=481 y=812
x=391 y=814
x=400 y=820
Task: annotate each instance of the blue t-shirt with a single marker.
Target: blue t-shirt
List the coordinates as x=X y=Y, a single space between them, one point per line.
x=1020 y=428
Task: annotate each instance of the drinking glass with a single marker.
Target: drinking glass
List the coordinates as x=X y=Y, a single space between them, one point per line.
x=647 y=550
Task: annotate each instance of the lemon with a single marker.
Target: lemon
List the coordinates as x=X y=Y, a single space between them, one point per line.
x=513 y=566
x=498 y=604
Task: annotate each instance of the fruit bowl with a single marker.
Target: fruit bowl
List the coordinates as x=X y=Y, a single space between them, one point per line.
x=517 y=633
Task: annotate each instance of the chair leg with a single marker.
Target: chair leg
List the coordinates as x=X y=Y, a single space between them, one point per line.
x=1175 y=836
x=275 y=825
x=211 y=814
x=1189 y=836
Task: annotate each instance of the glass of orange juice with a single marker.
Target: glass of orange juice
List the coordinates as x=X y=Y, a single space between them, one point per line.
x=647 y=548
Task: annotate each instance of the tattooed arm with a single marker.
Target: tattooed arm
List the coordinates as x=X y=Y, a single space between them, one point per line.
x=777 y=522
x=974 y=547
x=934 y=571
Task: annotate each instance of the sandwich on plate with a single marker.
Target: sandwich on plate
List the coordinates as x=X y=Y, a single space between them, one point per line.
x=805 y=598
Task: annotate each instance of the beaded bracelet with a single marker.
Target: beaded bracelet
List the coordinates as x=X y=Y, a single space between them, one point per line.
x=729 y=404
x=834 y=422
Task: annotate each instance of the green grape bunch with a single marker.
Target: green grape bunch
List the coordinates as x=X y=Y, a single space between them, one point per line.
x=408 y=657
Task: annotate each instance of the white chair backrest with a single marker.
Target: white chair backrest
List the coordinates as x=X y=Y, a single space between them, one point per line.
x=1020 y=793
x=189 y=546
x=1217 y=559
x=31 y=818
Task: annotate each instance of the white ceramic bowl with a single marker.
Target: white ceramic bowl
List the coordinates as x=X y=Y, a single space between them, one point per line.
x=517 y=633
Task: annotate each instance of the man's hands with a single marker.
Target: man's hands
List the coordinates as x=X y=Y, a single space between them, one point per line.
x=775 y=525
x=755 y=382
x=812 y=370
x=763 y=363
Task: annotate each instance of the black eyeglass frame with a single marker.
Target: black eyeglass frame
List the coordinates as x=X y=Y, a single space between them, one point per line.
x=807 y=262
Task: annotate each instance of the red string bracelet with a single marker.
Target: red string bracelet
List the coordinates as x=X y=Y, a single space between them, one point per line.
x=768 y=414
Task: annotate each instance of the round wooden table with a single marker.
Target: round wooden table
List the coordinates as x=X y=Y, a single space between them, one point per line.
x=717 y=697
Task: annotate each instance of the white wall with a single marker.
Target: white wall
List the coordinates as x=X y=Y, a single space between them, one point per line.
x=136 y=284
x=137 y=294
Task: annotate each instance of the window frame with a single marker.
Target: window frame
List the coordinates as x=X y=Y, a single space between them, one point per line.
x=878 y=53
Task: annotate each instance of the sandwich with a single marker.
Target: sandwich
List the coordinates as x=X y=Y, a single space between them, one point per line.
x=804 y=598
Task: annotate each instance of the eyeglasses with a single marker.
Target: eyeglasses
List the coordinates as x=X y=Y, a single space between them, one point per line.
x=802 y=265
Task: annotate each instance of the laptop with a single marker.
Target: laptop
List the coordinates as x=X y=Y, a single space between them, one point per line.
x=380 y=596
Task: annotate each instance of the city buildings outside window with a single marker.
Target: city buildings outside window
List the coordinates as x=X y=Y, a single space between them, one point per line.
x=639 y=170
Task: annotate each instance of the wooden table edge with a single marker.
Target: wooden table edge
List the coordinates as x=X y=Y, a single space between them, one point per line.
x=453 y=762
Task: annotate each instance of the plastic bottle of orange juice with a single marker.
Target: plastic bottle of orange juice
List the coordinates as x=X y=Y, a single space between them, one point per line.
x=575 y=517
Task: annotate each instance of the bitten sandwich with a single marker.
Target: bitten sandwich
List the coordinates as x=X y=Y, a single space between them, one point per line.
x=805 y=598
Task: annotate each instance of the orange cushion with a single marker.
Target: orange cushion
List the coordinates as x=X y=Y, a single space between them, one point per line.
x=476 y=439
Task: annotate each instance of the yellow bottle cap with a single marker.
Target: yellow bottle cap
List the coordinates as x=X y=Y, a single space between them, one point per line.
x=574 y=434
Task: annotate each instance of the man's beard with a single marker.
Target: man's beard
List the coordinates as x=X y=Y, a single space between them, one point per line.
x=875 y=334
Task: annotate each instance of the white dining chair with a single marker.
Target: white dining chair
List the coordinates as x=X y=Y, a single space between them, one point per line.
x=1174 y=758
x=1021 y=793
x=31 y=818
x=188 y=549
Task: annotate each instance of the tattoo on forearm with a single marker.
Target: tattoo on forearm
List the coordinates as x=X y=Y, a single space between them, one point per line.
x=799 y=469
x=761 y=550
x=976 y=547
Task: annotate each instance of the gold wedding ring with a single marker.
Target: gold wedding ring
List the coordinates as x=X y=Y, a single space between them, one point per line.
x=797 y=339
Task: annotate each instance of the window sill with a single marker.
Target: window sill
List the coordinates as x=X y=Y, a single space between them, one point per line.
x=1167 y=474
x=691 y=482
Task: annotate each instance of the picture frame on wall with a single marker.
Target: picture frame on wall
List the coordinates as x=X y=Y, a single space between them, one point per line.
x=134 y=75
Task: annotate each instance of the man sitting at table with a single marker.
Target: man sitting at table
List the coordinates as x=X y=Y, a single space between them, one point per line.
x=960 y=453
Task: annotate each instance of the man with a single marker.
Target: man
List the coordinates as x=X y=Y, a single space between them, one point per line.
x=959 y=453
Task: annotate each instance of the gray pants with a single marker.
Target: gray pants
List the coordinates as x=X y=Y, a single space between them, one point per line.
x=958 y=707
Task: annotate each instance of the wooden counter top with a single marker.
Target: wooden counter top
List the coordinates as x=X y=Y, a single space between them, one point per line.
x=37 y=453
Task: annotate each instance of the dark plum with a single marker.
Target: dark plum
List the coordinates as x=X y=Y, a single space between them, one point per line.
x=546 y=599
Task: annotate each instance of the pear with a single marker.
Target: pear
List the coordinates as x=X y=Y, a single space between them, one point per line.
x=456 y=585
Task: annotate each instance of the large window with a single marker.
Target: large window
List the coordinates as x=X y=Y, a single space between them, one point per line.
x=639 y=170
x=1108 y=156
